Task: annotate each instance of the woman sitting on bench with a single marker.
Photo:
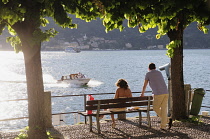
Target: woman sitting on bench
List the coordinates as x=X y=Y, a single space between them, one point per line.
x=123 y=91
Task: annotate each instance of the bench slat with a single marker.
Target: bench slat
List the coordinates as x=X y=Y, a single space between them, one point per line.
x=104 y=101
x=115 y=112
x=118 y=105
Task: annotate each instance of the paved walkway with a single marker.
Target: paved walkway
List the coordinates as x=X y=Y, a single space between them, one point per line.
x=129 y=129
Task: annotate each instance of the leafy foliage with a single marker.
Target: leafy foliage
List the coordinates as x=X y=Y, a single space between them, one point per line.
x=164 y=14
x=2 y=25
x=40 y=36
x=193 y=119
x=23 y=134
x=16 y=15
x=15 y=42
x=171 y=46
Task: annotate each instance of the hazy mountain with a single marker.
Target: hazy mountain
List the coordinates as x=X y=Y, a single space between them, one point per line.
x=193 y=38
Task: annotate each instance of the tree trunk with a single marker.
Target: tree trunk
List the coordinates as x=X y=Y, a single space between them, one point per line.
x=177 y=81
x=31 y=47
x=35 y=90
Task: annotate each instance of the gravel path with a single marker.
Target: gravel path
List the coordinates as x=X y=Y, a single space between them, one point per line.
x=129 y=129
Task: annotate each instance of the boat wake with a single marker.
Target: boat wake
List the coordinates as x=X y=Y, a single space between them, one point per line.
x=12 y=81
x=54 y=83
x=94 y=83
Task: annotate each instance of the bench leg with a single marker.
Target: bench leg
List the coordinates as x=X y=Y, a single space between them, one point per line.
x=140 y=118
x=85 y=120
x=98 y=124
x=148 y=119
x=91 y=123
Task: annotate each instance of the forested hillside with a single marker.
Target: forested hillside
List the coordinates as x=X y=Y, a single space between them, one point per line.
x=193 y=38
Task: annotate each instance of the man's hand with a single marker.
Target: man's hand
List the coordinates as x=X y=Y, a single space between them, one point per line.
x=144 y=87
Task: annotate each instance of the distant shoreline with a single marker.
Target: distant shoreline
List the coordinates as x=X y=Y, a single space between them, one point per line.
x=117 y=49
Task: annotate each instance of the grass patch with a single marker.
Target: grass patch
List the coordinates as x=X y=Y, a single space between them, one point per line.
x=193 y=119
x=23 y=134
x=80 y=123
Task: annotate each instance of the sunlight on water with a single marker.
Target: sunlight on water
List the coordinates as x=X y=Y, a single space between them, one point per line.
x=12 y=77
x=47 y=78
x=8 y=109
x=104 y=68
x=12 y=67
x=12 y=86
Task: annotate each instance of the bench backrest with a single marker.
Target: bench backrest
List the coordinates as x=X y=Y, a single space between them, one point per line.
x=119 y=103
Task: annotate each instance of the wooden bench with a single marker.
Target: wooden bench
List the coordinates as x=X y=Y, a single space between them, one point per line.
x=98 y=106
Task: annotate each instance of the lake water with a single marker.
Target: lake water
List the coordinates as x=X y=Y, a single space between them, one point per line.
x=103 y=67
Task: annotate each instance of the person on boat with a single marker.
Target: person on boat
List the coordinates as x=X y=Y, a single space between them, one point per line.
x=79 y=75
x=62 y=78
x=73 y=76
x=82 y=76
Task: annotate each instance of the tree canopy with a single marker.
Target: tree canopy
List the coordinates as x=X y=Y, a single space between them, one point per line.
x=171 y=17
x=164 y=14
x=35 y=13
x=23 y=19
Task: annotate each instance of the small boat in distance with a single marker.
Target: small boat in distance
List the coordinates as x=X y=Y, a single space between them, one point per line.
x=72 y=49
x=77 y=79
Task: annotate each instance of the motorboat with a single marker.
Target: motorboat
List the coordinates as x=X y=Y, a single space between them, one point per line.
x=77 y=79
x=72 y=50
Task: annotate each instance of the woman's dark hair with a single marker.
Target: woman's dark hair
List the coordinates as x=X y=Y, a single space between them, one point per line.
x=122 y=83
x=152 y=66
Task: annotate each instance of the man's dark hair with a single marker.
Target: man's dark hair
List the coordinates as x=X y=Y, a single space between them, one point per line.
x=152 y=66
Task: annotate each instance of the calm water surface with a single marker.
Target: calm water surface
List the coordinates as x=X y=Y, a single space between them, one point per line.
x=103 y=67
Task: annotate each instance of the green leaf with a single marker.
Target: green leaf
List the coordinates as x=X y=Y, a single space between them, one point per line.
x=5 y=1
x=11 y=31
x=2 y=26
x=44 y=22
x=171 y=46
x=158 y=36
x=40 y=36
x=15 y=42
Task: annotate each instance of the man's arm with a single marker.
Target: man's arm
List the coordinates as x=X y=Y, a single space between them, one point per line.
x=144 y=87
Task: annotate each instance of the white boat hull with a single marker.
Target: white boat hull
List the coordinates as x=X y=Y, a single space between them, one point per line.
x=72 y=50
x=76 y=81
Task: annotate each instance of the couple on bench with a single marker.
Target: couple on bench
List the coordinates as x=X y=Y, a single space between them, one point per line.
x=159 y=90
